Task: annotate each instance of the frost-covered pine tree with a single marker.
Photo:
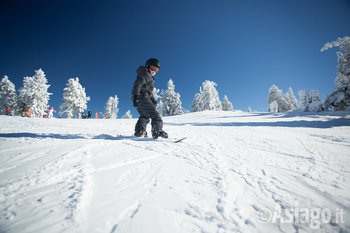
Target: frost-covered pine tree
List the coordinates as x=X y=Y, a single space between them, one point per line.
x=275 y=94
x=249 y=109
x=172 y=104
x=291 y=101
x=127 y=115
x=273 y=107
x=74 y=99
x=160 y=106
x=226 y=104
x=8 y=96
x=304 y=100
x=34 y=93
x=316 y=104
x=339 y=99
x=207 y=99
x=156 y=93
x=111 y=109
x=196 y=103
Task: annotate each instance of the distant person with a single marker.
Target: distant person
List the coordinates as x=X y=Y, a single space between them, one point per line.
x=89 y=114
x=144 y=101
x=7 y=110
x=25 y=110
x=51 y=110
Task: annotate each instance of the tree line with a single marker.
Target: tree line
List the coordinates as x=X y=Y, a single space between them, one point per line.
x=338 y=100
x=34 y=94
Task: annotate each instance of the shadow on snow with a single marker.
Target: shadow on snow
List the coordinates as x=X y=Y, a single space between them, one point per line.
x=71 y=136
x=294 y=124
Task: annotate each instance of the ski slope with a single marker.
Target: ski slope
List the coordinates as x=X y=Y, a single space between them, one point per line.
x=235 y=172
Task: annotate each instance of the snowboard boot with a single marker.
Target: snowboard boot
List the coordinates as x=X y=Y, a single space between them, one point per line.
x=141 y=134
x=156 y=134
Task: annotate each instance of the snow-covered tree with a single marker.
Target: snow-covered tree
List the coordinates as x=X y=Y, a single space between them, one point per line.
x=249 y=109
x=8 y=96
x=170 y=100
x=196 y=103
x=74 y=99
x=156 y=93
x=273 y=107
x=207 y=99
x=339 y=99
x=316 y=104
x=111 y=109
x=226 y=104
x=304 y=100
x=290 y=100
x=310 y=102
x=160 y=106
x=275 y=94
x=127 y=115
x=34 y=93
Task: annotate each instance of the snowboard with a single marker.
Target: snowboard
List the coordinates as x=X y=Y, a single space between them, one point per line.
x=179 y=140
x=174 y=140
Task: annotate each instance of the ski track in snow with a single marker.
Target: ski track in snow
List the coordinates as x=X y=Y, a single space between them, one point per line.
x=60 y=175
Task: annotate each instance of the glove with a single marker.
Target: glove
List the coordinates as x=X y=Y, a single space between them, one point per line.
x=136 y=101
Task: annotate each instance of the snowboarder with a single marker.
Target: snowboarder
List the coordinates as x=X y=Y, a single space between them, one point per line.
x=51 y=110
x=7 y=111
x=144 y=101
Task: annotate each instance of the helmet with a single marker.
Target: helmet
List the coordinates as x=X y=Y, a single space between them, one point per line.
x=152 y=62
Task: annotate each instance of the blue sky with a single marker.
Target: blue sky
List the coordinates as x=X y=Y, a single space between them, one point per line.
x=244 y=46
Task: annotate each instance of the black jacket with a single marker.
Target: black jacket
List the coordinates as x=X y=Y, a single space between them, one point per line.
x=144 y=84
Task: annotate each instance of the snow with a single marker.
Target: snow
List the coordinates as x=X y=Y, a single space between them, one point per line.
x=232 y=171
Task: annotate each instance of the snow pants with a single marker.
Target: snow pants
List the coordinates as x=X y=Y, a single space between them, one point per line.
x=147 y=111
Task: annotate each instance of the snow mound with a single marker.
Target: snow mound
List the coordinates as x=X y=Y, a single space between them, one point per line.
x=235 y=172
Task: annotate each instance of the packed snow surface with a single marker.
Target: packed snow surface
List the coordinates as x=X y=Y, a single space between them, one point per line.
x=235 y=172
